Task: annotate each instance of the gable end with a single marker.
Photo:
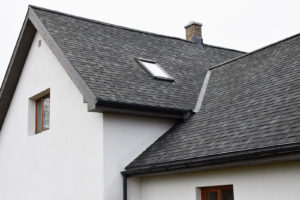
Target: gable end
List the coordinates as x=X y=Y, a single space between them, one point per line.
x=31 y=25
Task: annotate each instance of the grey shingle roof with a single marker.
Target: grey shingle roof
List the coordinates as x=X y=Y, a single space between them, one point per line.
x=250 y=103
x=104 y=55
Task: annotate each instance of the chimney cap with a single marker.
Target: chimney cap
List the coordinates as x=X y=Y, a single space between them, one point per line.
x=192 y=23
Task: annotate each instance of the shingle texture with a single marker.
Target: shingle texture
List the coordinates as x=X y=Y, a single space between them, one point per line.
x=250 y=103
x=104 y=55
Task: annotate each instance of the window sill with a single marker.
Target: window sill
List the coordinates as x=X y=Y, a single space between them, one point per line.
x=45 y=130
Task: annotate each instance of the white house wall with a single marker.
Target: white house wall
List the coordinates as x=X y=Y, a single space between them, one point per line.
x=276 y=182
x=125 y=137
x=63 y=162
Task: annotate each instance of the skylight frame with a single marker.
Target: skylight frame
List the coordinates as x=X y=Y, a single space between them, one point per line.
x=167 y=76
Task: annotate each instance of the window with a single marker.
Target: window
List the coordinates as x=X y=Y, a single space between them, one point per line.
x=155 y=70
x=42 y=113
x=217 y=193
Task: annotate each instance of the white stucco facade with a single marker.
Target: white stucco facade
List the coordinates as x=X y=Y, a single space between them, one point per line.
x=63 y=162
x=125 y=137
x=274 y=181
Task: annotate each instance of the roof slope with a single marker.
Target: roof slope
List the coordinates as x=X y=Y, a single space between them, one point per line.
x=104 y=56
x=250 y=103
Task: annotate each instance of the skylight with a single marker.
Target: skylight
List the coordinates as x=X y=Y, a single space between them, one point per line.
x=155 y=70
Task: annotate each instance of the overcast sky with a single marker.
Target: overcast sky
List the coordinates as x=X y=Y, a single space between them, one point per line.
x=238 y=24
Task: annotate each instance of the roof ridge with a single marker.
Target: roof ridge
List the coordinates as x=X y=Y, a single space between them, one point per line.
x=225 y=48
x=109 y=24
x=255 y=51
x=127 y=28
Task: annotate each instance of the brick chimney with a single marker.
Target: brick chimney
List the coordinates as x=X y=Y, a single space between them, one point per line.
x=193 y=32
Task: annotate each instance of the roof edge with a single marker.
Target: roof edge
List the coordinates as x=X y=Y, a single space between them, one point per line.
x=26 y=20
x=225 y=48
x=142 y=110
x=85 y=90
x=208 y=162
x=15 y=66
x=127 y=28
x=253 y=52
x=108 y=24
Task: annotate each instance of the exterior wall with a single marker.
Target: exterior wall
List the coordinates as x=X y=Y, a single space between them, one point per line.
x=63 y=162
x=276 y=182
x=125 y=137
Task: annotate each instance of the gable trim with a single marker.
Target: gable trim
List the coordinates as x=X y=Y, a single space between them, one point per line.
x=202 y=92
x=89 y=96
x=15 y=67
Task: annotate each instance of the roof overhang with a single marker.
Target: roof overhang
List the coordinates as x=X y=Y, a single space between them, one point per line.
x=259 y=156
x=15 y=66
x=142 y=110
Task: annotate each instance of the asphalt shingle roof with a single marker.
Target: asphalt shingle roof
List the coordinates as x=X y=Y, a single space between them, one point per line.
x=104 y=56
x=250 y=103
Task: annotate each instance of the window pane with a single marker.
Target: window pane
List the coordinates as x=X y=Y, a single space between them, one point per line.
x=227 y=194
x=155 y=70
x=211 y=196
x=38 y=116
x=46 y=113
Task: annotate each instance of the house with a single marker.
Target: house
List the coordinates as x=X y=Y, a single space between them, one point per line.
x=91 y=110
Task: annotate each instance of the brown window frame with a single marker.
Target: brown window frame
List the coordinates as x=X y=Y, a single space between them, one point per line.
x=217 y=189
x=41 y=99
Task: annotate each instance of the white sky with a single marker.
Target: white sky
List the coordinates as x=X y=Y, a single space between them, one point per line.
x=239 y=24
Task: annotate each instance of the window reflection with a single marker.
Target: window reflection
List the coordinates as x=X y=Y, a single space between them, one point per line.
x=46 y=113
x=42 y=114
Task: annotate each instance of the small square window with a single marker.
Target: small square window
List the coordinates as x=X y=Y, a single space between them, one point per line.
x=42 y=114
x=217 y=193
x=155 y=70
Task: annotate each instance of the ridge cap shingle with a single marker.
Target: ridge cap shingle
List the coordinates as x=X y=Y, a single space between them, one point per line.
x=254 y=51
x=129 y=29
x=224 y=48
x=109 y=24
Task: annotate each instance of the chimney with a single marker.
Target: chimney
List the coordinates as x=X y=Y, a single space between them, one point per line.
x=193 y=32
